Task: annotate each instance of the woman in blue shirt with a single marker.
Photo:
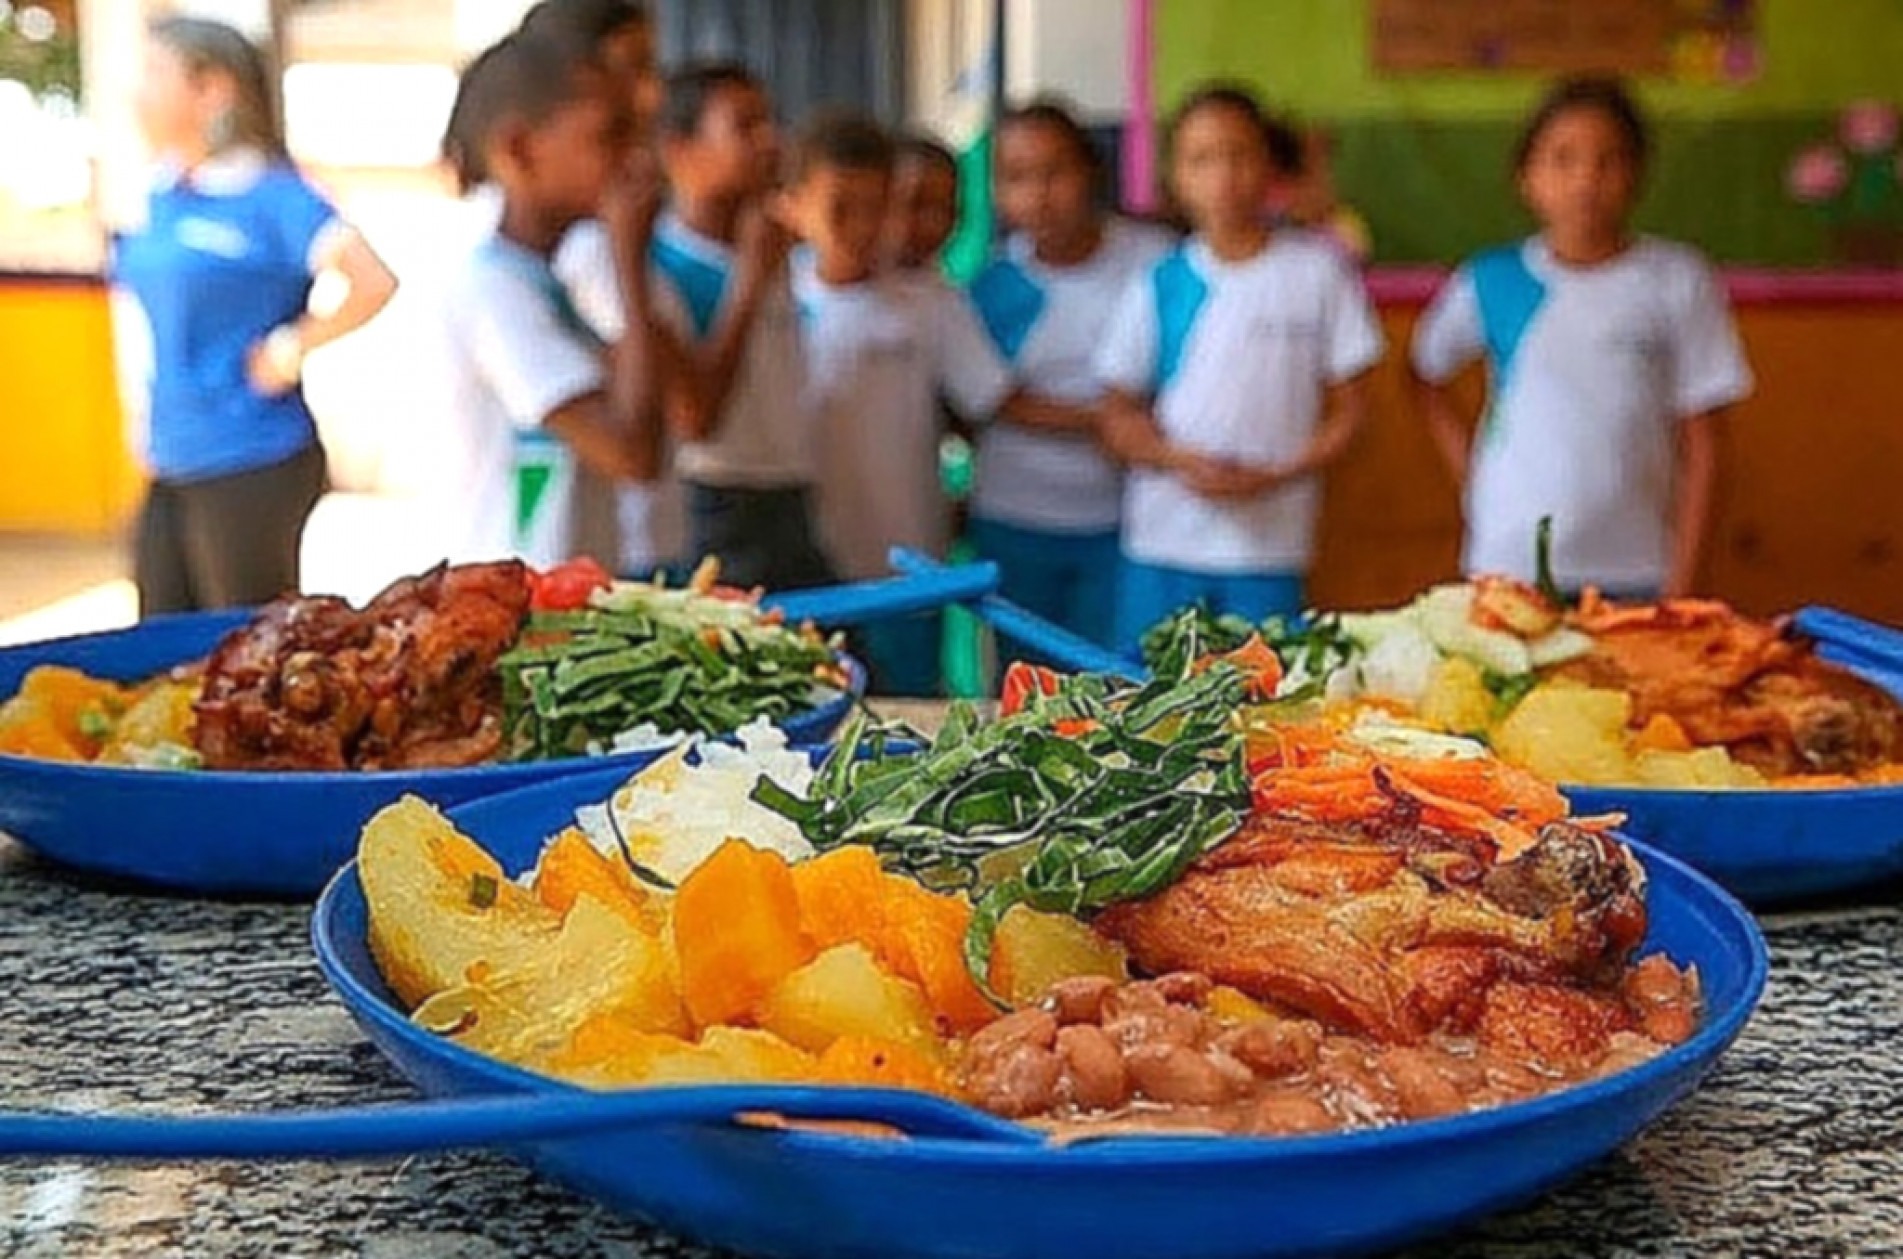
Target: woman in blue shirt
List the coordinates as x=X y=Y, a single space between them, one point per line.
x=223 y=271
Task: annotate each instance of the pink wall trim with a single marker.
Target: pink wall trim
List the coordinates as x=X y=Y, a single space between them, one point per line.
x=1139 y=136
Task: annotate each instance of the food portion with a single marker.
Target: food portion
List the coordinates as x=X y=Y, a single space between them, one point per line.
x=463 y=665
x=1683 y=693
x=1114 y=909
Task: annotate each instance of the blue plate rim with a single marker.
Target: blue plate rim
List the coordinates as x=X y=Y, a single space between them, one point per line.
x=1708 y=1042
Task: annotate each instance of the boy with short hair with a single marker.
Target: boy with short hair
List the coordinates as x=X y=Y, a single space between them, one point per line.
x=734 y=401
x=536 y=408
x=880 y=348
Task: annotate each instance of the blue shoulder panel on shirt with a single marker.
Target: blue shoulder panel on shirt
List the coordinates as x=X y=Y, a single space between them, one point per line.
x=1180 y=294
x=1508 y=294
x=700 y=283
x=1008 y=303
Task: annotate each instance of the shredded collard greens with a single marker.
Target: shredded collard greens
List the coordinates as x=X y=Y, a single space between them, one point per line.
x=1143 y=781
x=683 y=662
x=1311 y=647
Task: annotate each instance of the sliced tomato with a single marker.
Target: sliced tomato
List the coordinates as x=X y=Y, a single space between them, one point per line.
x=566 y=587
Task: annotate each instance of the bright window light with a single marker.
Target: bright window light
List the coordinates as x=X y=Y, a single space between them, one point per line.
x=341 y=114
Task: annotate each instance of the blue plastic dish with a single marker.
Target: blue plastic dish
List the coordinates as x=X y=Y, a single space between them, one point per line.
x=240 y=833
x=800 y=1195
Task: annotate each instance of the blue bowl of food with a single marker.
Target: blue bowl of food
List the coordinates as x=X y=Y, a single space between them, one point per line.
x=1137 y=1191
x=238 y=753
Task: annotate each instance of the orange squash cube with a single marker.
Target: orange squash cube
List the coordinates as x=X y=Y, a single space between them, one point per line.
x=571 y=866
x=737 y=932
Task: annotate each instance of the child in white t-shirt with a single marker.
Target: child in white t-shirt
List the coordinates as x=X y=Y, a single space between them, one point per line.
x=534 y=408
x=735 y=402
x=880 y=350
x=1047 y=498
x=1236 y=374
x=1612 y=358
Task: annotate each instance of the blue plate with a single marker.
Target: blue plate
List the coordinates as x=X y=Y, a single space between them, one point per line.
x=795 y=1195
x=239 y=833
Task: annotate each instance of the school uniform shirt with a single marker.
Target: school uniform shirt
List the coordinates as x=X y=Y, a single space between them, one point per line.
x=1048 y=323
x=227 y=254
x=879 y=354
x=763 y=438
x=509 y=351
x=1592 y=367
x=1236 y=357
x=651 y=518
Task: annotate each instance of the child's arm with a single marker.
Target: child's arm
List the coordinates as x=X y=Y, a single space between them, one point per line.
x=1030 y=410
x=1695 y=500
x=1447 y=428
x=1344 y=415
x=1130 y=433
x=704 y=374
x=1448 y=337
x=368 y=287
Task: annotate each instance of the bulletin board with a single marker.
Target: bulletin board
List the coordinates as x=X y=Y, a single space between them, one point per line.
x=1774 y=122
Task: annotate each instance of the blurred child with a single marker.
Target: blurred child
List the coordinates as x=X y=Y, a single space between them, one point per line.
x=924 y=207
x=1048 y=498
x=651 y=517
x=746 y=453
x=880 y=348
x=530 y=394
x=1236 y=373
x=1612 y=357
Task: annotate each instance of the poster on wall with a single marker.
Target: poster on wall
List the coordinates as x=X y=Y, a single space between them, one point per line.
x=1702 y=40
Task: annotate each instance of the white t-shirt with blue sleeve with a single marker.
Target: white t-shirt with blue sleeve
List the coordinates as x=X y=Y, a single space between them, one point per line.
x=505 y=349
x=650 y=518
x=879 y=355
x=1592 y=368
x=1048 y=323
x=763 y=439
x=1236 y=358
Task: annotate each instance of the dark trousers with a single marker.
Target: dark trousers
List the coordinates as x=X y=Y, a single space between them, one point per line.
x=228 y=541
x=761 y=537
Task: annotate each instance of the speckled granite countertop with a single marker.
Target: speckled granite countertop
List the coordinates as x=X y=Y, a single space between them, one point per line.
x=111 y=998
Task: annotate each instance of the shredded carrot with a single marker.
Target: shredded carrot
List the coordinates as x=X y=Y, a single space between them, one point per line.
x=1256 y=661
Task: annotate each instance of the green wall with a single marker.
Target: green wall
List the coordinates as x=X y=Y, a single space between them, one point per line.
x=1424 y=157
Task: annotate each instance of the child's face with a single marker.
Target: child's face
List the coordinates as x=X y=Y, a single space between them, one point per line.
x=1043 y=183
x=175 y=106
x=924 y=211
x=841 y=213
x=1220 y=169
x=735 y=151
x=566 y=164
x=1580 y=177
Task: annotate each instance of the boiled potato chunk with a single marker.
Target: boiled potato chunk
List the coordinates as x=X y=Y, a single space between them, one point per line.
x=599 y=966
x=844 y=992
x=1701 y=769
x=611 y=1052
x=1034 y=950
x=866 y=1062
x=440 y=906
x=162 y=714
x=1569 y=734
x=737 y=932
x=1457 y=699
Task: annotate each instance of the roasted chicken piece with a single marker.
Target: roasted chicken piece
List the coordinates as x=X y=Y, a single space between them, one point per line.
x=1750 y=686
x=1395 y=930
x=408 y=681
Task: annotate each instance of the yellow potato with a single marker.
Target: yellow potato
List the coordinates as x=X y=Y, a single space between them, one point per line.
x=1699 y=769
x=611 y=1053
x=440 y=906
x=1570 y=734
x=163 y=714
x=843 y=992
x=1032 y=951
x=598 y=967
x=1457 y=699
